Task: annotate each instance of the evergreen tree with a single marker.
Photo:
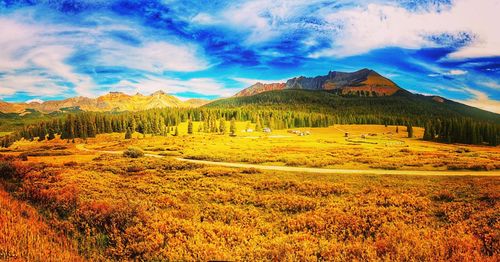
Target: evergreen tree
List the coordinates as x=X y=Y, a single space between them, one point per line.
x=128 y=134
x=258 y=125
x=190 y=126
x=232 y=127
x=409 y=128
x=427 y=133
x=176 y=133
x=222 y=126
x=51 y=134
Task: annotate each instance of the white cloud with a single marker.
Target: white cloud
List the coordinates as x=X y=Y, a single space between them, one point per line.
x=491 y=84
x=27 y=46
x=259 y=20
x=482 y=100
x=204 y=19
x=205 y=86
x=34 y=85
x=35 y=101
x=360 y=27
x=456 y=72
x=378 y=25
x=153 y=56
x=33 y=47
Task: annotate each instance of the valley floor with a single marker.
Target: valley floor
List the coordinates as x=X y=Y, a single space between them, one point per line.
x=161 y=208
x=315 y=170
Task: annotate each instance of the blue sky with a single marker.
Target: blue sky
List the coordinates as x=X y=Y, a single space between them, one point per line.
x=55 y=49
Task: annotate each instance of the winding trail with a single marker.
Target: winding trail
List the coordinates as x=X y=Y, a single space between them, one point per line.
x=316 y=170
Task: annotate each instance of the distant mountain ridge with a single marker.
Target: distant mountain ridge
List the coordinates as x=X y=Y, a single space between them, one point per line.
x=113 y=101
x=364 y=82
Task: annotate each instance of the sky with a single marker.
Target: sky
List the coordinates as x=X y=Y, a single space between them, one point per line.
x=55 y=49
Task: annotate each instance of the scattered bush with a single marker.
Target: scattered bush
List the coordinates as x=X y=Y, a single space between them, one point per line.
x=212 y=172
x=132 y=152
x=7 y=170
x=251 y=171
x=444 y=195
x=47 y=153
x=70 y=164
x=135 y=169
x=405 y=150
x=461 y=150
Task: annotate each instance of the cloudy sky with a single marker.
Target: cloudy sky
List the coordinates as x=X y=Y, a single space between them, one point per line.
x=53 y=49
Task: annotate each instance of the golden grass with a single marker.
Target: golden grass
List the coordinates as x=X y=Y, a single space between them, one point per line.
x=119 y=208
x=25 y=237
x=162 y=209
x=381 y=148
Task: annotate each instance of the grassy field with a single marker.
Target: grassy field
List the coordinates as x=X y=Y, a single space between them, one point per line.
x=24 y=236
x=120 y=208
x=367 y=147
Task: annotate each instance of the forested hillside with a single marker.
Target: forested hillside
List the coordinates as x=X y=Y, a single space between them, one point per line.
x=414 y=108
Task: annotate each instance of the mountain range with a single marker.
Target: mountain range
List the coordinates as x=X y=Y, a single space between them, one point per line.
x=361 y=92
x=113 y=101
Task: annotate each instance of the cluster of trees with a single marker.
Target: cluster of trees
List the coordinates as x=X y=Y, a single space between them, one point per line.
x=85 y=125
x=462 y=130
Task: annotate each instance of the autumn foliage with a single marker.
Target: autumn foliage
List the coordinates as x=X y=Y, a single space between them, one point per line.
x=118 y=208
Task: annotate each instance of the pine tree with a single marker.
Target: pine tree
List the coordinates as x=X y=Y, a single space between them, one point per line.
x=51 y=134
x=258 y=125
x=222 y=126
x=190 y=126
x=397 y=129
x=128 y=134
x=176 y=133
x=232 y=127
x=409 y=128
x=427 y=133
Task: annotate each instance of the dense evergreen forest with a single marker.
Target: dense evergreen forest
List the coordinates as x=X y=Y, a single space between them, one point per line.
x=444 y=121
x=417 y=109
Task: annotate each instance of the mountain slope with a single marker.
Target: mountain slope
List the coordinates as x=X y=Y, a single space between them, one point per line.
x=364 y=82
x=113 y=101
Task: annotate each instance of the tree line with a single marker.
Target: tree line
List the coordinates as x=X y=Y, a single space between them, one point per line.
x=165 y=121
x=462 y=130
x=85 y=125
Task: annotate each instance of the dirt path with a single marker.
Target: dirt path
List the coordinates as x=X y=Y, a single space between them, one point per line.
x=318 y=170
